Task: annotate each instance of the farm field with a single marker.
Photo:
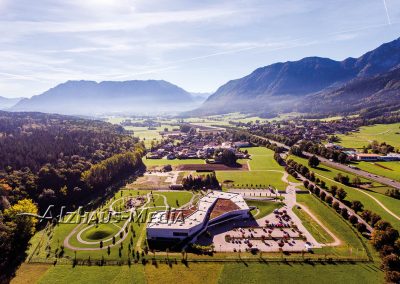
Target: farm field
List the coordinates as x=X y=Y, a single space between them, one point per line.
x=389 y=133
x=387 y=169
x=327 y=174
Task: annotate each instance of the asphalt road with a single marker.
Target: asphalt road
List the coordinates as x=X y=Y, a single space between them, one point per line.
x=379 y=179
x=346 y=168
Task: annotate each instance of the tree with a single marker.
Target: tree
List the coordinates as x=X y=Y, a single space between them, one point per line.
x=333 y=190
x=344 y=213
x=26 y=224
x=336 y=205
x=361 y=227
x=366 y=215
x=391 y=262
x=353 y=219
x=341 y=194
x=313 y=161
x=329 y=199
x=357 y=206
x=228 y=157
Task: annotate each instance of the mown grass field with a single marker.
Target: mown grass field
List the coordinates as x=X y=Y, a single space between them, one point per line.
x=389 y=133
x=262 y=159
x=387 y=169
x=327 y=174
x=313 y=227
x=335 y=223
x=196 y=273
x=264 y=207
x=252 y=179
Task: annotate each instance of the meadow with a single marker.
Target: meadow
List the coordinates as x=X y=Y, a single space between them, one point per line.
x=213 y=273
x=389 y=133
x=327 y=174
x=387 y=169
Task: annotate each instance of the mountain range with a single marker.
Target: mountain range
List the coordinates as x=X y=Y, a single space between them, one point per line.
x=6 y=103
x=107 y=97
x=310 y=85
x=306 y=84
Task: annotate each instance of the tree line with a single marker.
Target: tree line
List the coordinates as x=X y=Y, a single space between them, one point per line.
x=54 y=159
x=384 y=237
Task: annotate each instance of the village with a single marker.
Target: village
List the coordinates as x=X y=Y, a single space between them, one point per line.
x=197 y=142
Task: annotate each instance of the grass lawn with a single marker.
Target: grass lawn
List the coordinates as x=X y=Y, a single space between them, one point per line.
x=94 y=274
x=300 y=273
x=387 y=169
x=56 y=238
x=389 y=133
x=179 y=273
x=265 y=207
x=333 y=222
x=327 y=174
x=30 y=273
x=205 y=273
x=249 y=179
x=262 y=159
x=313 y=227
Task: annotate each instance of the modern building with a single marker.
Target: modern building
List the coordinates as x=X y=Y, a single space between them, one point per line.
x=214 y=208
x=367 y=157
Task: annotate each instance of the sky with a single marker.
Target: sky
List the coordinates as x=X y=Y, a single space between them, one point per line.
x=197 y=45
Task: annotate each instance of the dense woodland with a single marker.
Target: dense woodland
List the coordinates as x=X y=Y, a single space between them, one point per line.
x=53 y=159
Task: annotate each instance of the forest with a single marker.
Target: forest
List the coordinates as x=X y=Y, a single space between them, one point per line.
x=59 y=160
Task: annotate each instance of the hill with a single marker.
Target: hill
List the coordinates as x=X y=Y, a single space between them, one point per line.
x=278 y=87
x=6 y=103
x=380 y=91
x=89 y=97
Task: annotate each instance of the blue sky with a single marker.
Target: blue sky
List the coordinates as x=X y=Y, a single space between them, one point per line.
x=198 y=45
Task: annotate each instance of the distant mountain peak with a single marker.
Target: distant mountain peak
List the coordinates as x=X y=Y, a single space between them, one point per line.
x=91 y=97
x=279 y=85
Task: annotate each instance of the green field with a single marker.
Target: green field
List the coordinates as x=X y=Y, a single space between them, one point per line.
x=389 y=133
x=262 y=159
x=252 y=179
x=335 y=223
x=327 y=174
x=264 y=207
x=313 y=227
x=387 y=169
x=54 y=238
x=204 y=273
